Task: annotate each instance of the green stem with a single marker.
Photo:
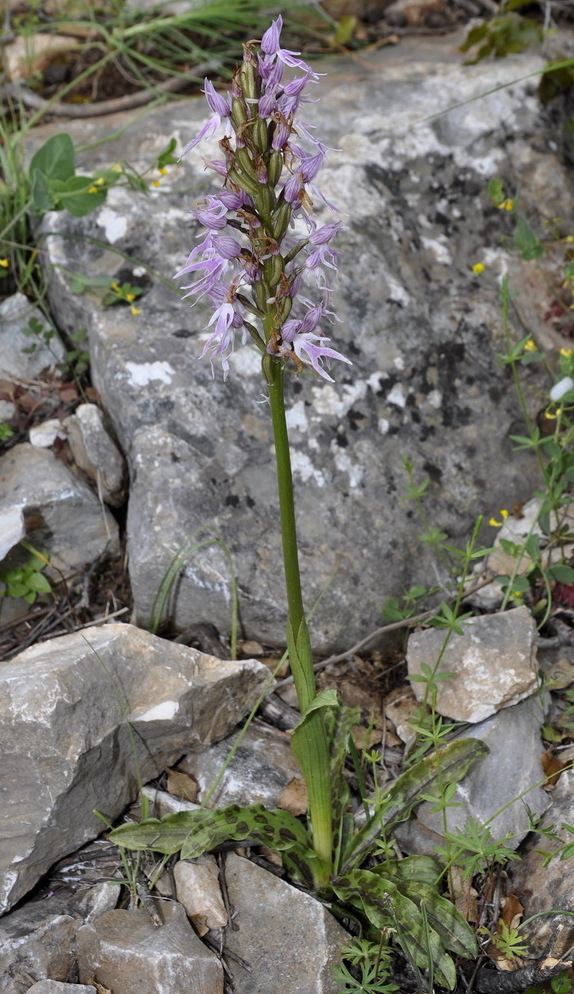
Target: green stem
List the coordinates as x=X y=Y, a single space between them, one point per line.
x=310 y=742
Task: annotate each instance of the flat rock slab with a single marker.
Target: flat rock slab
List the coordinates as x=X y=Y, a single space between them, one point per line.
x=490 y=666
x=126 y=952
x=422 y=331
x=85 y=719
x=497 y=788
x=288 y=940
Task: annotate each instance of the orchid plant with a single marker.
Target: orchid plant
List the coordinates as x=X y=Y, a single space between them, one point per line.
x=265 y=264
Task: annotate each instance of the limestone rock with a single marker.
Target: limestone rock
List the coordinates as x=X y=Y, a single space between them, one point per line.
x=35 y=943
x=55 y=987
x=67 y=747
x=198 y=890
x=260 y=768
x=492 y=665
x=422 y=331
x=12 y=529
x=274 y=923
x=497 y=788
x=96 y=453
x=63 y=516
x=124 y=951
x=24 y=356
x=542 y=885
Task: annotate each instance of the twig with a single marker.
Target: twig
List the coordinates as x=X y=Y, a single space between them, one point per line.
x=17 y=91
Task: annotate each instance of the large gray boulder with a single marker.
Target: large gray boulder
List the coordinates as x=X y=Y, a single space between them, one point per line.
x=421 y=328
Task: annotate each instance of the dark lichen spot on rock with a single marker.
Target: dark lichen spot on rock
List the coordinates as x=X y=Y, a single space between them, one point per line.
x=232 y=500
x=341 y=439
x=433 y=472
x=182 y=333
x=174 y=457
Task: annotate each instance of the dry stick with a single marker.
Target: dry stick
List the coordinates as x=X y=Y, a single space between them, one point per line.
x=174 y=85
x=405 y=623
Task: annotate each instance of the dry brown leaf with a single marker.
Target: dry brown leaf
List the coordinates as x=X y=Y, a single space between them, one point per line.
x=512 y=911
x=465 y=896
x=294 y=798
x=552 y=767
x=182 y=785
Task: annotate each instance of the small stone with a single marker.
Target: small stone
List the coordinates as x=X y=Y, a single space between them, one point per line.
x=128 y=954
x=198 y=890
x=63 y=517
x=96 y=453
x=44 y=435
x=25 y=356
x=260 y=768
x=492 y=665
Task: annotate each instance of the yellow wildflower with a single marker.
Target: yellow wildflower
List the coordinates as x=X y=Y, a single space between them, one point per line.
x=135 y=310
x=478 y=268
x=155 y=182
x=498 y=524
x=530 y=345
x=130 y=297
x=506 y=205
x=4 y=263
x=566 y=352
x=115 y=285
x=93 y=189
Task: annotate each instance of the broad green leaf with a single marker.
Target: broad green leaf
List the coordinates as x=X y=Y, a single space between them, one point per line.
x=526 y=241
x=561 y=572
x=55 y=159
x=384 y=905
x=199 y=831
x=339 y=723
x=346 y=27
x=327 y=698
x=41 y=196
x=166 y=835
x=75 y=196
x=418 y=869
x=39 y=582
x=452 y=763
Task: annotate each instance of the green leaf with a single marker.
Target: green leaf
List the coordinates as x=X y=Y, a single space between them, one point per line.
x=451 y=763
x=39 y=583
x=55 y=159
x=195 y=832
x=75 y=198
x=338 y=724
x=328 y=698
x=384 y=905
x=345 y=29
x=561 y=572
x=526 y=241
x=41 y=196
x=166 y=157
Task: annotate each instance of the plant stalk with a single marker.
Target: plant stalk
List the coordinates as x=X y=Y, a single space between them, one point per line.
x=310 y=741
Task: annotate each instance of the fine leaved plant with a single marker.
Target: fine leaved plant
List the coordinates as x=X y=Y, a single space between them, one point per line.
x=264 y=263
